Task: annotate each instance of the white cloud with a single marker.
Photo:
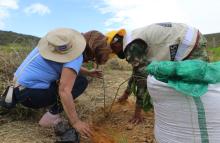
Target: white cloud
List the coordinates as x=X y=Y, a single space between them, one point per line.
x=37 y=8
x=9 y=4
x=131 y=14
x=3 y=15
x=5 y=7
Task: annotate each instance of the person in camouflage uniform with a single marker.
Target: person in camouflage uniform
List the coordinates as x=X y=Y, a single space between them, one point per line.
x=160 y=41
x=142 y=47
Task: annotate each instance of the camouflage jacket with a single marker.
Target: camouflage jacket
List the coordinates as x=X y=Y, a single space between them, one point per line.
x=137 y=83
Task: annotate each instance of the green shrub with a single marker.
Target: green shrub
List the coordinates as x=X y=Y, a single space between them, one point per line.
x=214 y=54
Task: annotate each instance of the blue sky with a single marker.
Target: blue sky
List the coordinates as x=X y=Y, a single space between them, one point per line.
x=37 y=17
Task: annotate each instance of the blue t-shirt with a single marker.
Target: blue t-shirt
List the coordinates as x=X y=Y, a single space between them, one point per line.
x=39 y=73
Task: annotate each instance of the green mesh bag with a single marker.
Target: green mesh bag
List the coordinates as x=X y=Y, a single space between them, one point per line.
x=212 y=73
x=190 y=70
x=190 y=77
x=163 y=70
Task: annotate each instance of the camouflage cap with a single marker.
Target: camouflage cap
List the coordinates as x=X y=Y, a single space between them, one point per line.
x=136 y=53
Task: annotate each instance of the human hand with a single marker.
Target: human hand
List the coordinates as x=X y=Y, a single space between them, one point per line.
x=95 y=73
x=124 y=97
x=83 y=128
x=137 y=117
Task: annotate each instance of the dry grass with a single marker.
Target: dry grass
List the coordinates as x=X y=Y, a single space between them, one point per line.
x=11 y=57
x=117 y=64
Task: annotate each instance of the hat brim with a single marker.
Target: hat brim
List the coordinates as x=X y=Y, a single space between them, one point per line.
x=78 y=43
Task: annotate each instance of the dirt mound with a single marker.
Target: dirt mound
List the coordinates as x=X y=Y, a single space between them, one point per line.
x=115 y=128
x=100 y=136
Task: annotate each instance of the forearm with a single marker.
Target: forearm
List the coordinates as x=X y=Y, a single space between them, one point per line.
x=66 y=84
x=142 y=96
x=129 y=86
x=84 y=71
x=69 y=106
x=130 y=82
x=140 y=77
x=139 y=100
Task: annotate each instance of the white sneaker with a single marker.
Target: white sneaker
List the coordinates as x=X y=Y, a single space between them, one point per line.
x=49 y=120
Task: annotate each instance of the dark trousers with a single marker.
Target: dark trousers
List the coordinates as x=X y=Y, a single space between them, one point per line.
x=38 y=98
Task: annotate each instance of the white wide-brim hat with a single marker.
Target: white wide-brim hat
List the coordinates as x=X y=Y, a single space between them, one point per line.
x=62 y=45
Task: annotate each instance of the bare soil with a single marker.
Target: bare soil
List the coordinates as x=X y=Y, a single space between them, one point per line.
x=113 y=128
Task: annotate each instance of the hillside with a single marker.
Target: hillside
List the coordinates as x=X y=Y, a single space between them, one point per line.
x=213 y=40
x=9 y=37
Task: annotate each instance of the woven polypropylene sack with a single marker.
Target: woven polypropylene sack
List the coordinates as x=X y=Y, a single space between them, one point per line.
x=185 y=119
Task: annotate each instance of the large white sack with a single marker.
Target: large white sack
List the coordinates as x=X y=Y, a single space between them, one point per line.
x=184 y=119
